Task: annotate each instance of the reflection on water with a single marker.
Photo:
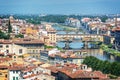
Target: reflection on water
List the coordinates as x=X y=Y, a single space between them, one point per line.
x=72 y=33
x=64 y=32
x=75 y=45
x=98 y=53
x=57 y=28
x=61 y=32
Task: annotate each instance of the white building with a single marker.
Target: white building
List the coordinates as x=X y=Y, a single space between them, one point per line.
x=73 y=22
x=16 y=29
x=14 y=74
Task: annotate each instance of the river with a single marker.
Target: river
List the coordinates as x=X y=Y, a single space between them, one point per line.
x=77 y=45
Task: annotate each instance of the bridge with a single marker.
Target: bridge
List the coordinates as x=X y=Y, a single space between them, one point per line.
x=83 y=37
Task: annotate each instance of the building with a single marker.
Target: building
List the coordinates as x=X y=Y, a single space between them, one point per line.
x=73 y=22
x=51 y=34
x=107 y=39
x=34 y=46
x=22 y=46
x=13 y=67
x=9 y=47
x=44 y=56
x=14 y=73
x=3 y=72
x=75 y=72
x=117 y=37
x=75 y=57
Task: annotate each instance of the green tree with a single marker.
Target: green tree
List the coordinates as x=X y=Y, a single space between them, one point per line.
x=4 y=35
x=19 y=36
x=104 y=66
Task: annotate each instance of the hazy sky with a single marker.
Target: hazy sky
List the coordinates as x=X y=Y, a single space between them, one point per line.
x=59 y=6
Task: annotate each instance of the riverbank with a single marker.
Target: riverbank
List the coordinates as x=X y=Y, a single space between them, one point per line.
x=110 y=50
x=66 y=28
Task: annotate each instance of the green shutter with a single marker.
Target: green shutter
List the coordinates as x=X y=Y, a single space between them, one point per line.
x=13 y=78
x=16 y=78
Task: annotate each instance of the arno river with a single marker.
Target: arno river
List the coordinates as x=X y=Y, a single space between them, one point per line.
x=78 y=45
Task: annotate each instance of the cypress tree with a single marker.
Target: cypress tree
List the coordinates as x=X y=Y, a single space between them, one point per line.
x=9 y=27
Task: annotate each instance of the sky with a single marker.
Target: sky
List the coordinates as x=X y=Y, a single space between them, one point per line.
x=59 y=6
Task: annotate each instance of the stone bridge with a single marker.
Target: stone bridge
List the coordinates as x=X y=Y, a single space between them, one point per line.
x=83 y=37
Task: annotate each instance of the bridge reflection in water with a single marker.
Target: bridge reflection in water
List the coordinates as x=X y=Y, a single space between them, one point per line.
x=73 y=42
x=79 y=45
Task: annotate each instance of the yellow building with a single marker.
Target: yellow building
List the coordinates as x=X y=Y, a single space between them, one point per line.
x=3 y=74
x=51 y=33
x=29 y=30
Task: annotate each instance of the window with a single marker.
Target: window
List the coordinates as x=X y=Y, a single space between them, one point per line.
x=1 y=46
x=33 y=51
x=36 y=56
x=20 y=51
x=36 y=51
x=6 y=75
x=13 y=71
x=29 y=51
x=91 y=75
x=16 y=71
x=16 y=78
x=7 y=46
x=7 y=51
x=13 y=78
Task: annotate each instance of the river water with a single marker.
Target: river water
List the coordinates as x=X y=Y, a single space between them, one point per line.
x=78 y=45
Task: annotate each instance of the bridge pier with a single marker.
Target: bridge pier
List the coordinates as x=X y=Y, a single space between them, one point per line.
x=85 y=44
x=67 y=44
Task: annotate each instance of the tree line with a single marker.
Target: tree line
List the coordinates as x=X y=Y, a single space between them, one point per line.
x=104 y=66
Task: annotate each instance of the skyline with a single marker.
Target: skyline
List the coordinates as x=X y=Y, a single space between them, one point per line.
x=60 y=7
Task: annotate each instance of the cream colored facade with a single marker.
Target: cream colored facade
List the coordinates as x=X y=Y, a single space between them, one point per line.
x=51 y=33
x=13 y=49
x=48 y=26
x=52 y=36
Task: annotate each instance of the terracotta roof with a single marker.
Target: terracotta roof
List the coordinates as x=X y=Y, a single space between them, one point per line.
x=82 y=73
x=2 y=41
x=46 y=37
x=3 y=66
x=51 y=30
x=15 y=68
x=28 y=69
x=28 y=41
x=116 y=29
x=53 y=69
x=5 y=59
x=29 y=76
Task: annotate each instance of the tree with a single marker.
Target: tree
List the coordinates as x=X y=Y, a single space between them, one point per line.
x=104 y=66
x=9 y=27
x=19 y=36
x=4 y=35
